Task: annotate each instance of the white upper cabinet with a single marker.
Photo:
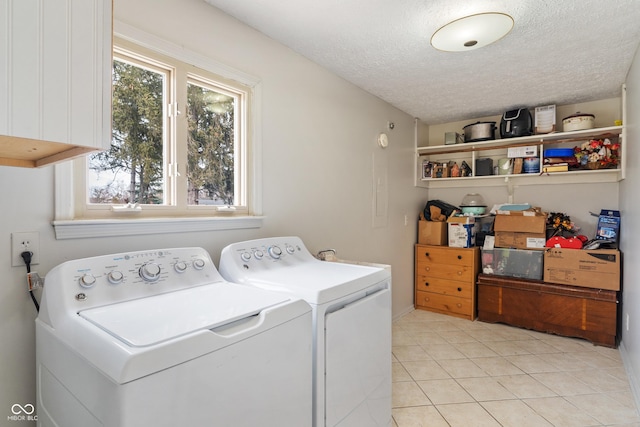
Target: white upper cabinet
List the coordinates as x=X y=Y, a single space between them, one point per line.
x=55 y=79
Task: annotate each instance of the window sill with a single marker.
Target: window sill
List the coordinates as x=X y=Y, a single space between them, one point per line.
x=81 y=229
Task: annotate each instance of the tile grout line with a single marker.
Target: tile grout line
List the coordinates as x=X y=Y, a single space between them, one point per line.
x=565 y=347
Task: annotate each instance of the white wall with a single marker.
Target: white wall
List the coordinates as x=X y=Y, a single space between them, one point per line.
x=319 y=142
x=630 y=230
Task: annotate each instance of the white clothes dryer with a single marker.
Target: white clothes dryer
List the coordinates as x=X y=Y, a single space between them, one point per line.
x=351 y=324
x=159 y=338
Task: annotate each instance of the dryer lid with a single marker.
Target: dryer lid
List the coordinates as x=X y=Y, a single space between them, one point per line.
x=152 y=320
x=317 y=282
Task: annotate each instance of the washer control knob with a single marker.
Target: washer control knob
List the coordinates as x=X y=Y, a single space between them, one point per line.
x=246 y=256
x=87 y=280
x=290 y=249
x=275 y=251
x=115 y=277
x=258 y=254
x=180 y=266
x=150 y=272
x=198 y=263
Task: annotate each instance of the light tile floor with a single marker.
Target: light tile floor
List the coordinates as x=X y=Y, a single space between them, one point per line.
x=454 y=372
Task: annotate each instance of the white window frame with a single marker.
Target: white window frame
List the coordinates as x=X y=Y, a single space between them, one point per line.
x=68 y=226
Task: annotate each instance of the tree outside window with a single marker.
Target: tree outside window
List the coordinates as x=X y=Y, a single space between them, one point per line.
x=135 y=169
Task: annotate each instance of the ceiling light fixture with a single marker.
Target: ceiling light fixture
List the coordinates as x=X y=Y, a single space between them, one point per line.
x=472 y=32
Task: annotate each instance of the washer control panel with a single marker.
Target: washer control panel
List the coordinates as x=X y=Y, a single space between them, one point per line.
x=109 y=279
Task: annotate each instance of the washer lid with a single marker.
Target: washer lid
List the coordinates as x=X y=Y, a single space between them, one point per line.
x=148 y=321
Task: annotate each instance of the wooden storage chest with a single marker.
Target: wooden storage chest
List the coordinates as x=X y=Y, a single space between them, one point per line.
x=571 y=311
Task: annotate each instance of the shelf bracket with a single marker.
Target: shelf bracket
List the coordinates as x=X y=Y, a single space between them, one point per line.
x=509 y=183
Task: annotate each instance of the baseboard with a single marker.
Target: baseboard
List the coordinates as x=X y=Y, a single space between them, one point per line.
x=403 y=312
x=633 y=379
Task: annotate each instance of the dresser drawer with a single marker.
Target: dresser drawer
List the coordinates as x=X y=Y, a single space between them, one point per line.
x=461 y=273
x=446 y=255
x=444 y=303
x=444 y=286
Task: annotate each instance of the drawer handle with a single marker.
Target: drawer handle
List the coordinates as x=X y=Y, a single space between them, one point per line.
x=426 y=254
x=426 y=283
x=459 y=305
x=460 y=273
x=459 y=256
x=428 y=268
x=459 y=289
x=426 y=299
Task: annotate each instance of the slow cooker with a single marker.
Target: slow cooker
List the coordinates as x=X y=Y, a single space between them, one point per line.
x=578 y=121
x=479 y=131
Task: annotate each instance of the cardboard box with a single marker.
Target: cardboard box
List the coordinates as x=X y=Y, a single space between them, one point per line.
x=530 y=151
x=432 y=233
x=462 y=231
x=530 y=241
x=608 y=226
x=598 y=268
x=521 y=229
x=513 y=263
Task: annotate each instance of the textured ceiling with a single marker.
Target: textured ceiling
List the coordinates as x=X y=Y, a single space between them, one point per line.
x=559 y=51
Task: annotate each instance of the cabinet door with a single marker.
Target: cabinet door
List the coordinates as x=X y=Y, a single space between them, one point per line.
x=57 y=75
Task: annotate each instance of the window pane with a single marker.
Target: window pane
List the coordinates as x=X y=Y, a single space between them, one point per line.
x=211 y=145
x=131 y=171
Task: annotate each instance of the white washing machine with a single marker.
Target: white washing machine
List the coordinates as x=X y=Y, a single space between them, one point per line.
x=351 y=324
x=159 y=338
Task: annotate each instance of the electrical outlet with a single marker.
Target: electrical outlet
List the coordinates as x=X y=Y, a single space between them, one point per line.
x=25 y=241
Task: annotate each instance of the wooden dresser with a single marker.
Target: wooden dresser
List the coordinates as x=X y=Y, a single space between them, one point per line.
x=571 y=311
x=445 y=279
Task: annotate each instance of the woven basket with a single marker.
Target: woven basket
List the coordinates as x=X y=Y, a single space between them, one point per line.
x=599 y=165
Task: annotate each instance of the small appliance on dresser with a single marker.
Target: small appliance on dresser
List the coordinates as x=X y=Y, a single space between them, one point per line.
x=351 y=324
x=158 y=339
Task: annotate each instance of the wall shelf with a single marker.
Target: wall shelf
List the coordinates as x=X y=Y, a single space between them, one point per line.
x=497 y=148
x=549 y=138
x=570 y=177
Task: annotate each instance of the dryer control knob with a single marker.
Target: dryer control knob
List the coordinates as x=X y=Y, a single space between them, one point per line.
x=290 y=249
x=275 y=251
x=115 y=277
x=180 y=266
x=258 y=254
x=150 y=272
x=246 y=256
x=87 y=281
x=198 y=264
